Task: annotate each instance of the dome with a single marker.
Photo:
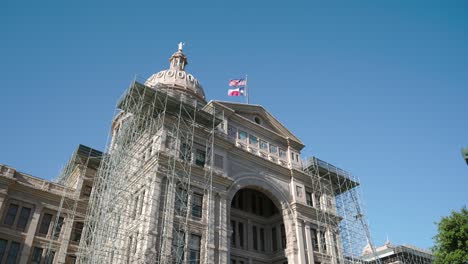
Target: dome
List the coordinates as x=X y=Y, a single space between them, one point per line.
x=177 y=78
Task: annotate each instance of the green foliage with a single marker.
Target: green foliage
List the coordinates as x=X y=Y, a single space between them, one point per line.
x=451 y=242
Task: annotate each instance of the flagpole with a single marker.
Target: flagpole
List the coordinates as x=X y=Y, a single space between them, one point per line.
x=246 y=89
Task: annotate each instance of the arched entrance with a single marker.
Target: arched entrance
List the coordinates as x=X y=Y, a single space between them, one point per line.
x=257 y=232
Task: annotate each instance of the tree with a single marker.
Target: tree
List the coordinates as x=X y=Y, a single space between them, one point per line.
x=451 y=242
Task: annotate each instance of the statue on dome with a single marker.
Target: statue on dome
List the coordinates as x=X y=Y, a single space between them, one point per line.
x=181 y=46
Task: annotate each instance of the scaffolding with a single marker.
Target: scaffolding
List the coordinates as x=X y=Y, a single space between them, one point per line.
x=159 y=167
x=340 y=217
x=139 y=209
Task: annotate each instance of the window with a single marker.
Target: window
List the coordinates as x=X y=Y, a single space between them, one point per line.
x=185 y=152
x=76 y=232
x=253 y=140
x=262 y=239
x=197 y=204
x=263 y=145
x=49 y=259
x=313 y=233
x=232 y=131
x=13 y=253
x=180 y=206
x=242 y=135
x=23 y=218
x=218 y=161
x=36 y=255
x=233 y=234
x=44 y=227
x=169 y=143
x=274 y=239
x=241 y=235
x=200 y=157
x=194 y=247
x=3 y=245
x=317 y=200
x=11 y=214
x=273 y=149
x=323 y=242
x=87 y=191
x=58 y=228
x=282 y=153
x=178 y=243
x=309 y=198
x=254 y=237
x=283 y=236
x=258 y=120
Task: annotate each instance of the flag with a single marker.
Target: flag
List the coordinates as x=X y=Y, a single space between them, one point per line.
x=237 y=82
x=239 y=91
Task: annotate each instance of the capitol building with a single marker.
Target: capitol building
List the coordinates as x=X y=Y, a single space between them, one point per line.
x=184 y=180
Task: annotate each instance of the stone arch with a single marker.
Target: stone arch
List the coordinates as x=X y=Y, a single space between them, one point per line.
x=279 y=197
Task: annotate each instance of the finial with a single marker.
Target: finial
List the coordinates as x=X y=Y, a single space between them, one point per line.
x=181 y=46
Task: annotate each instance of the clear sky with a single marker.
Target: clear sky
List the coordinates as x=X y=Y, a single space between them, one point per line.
x=378 y=88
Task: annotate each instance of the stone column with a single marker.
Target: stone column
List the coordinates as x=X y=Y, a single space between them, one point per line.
x=310 y=247
x=168 y=220
x=223 y=230
x=209 y=237
x=151 y=216
x=30 y=234
x=300 y=242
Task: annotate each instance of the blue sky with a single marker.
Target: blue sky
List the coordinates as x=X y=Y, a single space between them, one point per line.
x=376 y=87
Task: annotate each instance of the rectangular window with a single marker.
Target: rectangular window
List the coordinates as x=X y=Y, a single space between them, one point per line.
x=76 y=232
x=233 y=234
x=241 y=235
x=253 y=140
x=242 y=135
x=323 y=242
x=178 y=243
x=232 y=131
x=44 y=227
x=11 y=214
x=218 y=161
x=3 y=244
x=194 y=247
x=185 y=153
x=274 y=239
x=200 y=157
x=13 y=253
x=283 y=236
x=36 y=255
x=49 y=259
x=58 y=228
x=313 y=233
x=263 y=145
x=180 y=205
x=169 y=143
x=254 y=237
x=273 y=149
x=87 y=191
x=317 y=200
x=282 y=153
x=309 y=198
x=197 y=204
x=262 y=239
x=23 y=218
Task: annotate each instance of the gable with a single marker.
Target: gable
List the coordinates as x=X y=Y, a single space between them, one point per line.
x=266 y=119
